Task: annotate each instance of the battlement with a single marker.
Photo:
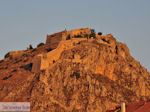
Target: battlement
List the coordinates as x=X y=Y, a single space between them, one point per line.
x=55 y=38
x=75 y=33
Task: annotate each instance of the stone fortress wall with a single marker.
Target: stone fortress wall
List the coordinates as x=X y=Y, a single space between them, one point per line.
x=71 y=34
x=63 y=43
x=57 y=37
x=60 y=40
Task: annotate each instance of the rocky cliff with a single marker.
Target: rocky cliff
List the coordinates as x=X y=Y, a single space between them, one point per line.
x=80 y=74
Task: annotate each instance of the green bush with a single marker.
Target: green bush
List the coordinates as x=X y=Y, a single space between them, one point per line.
x=5 y=78
x=92 y=31
x=76 y=74
x=77 y=36
x=30 y=46
x=27 y=67
x=7 y=55
x=93 y=34
x=40 y=44
x=86 y=36
x=100 y=33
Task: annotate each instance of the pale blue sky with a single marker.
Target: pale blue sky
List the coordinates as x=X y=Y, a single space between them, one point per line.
x=24 y=22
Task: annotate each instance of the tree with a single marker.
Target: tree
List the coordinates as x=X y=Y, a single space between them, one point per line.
x=30 y=46
x=86 y=36
x=40 y=44
x=93 y=34
x=100 y=33
x=7 y=55
x=92 y=31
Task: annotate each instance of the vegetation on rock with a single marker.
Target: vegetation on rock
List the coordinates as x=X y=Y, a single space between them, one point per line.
x=40 y=44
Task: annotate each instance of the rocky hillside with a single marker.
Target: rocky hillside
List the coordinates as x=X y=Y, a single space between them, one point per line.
x=82 y=72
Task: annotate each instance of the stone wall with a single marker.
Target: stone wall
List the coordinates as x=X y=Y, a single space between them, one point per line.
x=48 y=59
x=54 y=38
x=73 y=33
x=60 y=39
x=57 y=37
x=36 y=64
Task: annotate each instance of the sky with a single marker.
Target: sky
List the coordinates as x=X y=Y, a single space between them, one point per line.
x=24 y=22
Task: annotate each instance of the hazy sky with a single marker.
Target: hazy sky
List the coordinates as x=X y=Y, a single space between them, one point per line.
x=24 y=22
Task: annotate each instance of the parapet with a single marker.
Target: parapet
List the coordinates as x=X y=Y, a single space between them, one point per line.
x=55 y=38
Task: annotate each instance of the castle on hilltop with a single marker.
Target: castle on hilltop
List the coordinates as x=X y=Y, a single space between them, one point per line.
x=67 y=35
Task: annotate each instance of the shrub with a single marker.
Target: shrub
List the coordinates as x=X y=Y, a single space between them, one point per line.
x=5 y=78
x=77 y=36
x=7 y=55
x=33 y=50
x=40 y=44
x=100 y=33
x=92 y=35
x=17 y=60
x=105 y=40
x=15 y=70
x=92 y=31
x=27 y=67
x=86 y=36
x=76 y=74
x=30 y=46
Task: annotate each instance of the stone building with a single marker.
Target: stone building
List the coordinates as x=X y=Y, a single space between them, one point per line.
x=55 y=38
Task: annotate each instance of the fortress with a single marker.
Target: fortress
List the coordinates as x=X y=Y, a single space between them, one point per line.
x=66 y=35
x=62 y=41
x=65 y=40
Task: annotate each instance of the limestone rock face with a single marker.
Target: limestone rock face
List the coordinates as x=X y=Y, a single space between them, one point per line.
x=79 y=75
